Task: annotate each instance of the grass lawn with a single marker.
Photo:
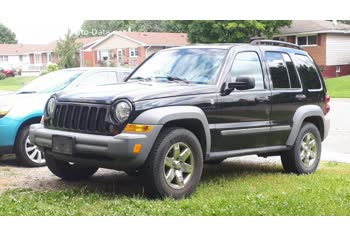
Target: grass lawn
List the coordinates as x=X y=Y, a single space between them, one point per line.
x=15 y=83
x=339 y=87
x=232 y=188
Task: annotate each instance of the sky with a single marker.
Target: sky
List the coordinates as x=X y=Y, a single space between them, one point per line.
x=43 y=21
x=40 y=32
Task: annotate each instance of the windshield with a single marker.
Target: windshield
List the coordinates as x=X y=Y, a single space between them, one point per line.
x=51 y=82
x=195 y=65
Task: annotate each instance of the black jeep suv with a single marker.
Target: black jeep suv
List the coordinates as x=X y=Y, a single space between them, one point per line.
x=187 y=106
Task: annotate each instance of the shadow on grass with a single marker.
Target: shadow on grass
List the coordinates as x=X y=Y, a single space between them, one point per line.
x=116 y=183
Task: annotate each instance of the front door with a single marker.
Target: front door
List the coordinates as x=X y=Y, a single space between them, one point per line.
x=243 y=117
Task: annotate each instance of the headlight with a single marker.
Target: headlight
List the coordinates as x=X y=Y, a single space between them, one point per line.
x=4 y=109
x=122 y=111
x=51 y=104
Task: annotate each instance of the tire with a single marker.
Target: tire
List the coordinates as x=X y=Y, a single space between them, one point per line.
x=215 y=162
x=305 y=155
x=165 y=173
x=9 y=75
x=69 y=172
x=27 y=153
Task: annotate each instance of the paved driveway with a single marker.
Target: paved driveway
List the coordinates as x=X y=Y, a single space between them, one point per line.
x=337 y=145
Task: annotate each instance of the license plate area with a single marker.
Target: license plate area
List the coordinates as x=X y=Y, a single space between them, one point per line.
x=62 y=144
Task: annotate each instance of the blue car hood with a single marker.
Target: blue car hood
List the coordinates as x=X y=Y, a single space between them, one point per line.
x=24 y=105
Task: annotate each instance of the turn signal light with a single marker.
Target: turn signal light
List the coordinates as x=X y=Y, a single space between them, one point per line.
x=138 y=128
x=137 y=148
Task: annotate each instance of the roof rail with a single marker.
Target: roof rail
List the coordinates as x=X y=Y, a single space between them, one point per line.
x=275 y=43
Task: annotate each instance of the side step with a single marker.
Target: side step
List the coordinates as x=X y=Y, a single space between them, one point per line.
x=241 y=152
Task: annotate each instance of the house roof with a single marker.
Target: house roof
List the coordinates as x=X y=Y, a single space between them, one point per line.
x=19 y=49
x=149 y=38
x=314 y=26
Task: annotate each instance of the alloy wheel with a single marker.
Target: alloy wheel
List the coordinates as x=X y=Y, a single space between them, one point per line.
x=33 y=153
x=308 y=149
x=178 y=165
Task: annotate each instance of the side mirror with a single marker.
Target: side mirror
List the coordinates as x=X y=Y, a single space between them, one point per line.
x=242 y=83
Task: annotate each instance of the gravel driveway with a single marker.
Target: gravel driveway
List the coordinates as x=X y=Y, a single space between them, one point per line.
x=12 y=175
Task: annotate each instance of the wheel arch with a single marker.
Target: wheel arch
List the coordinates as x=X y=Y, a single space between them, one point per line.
x=308 y=113
x=28 y=121
x=189 y=117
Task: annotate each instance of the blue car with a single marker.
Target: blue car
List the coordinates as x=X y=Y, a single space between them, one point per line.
x=25 y=107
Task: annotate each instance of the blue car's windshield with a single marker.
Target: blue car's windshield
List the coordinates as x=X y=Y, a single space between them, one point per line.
x=51 y=82
x=190 y=65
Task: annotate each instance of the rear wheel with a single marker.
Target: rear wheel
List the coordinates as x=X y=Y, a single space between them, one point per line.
x=175 y=164
x=26 y=152
x=305 y=155
x=68 y=171
x=10 y=75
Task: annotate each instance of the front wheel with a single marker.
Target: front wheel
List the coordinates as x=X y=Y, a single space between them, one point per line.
x=68 y=171
x=175 y=164
x=26 y=152
x=305 y=155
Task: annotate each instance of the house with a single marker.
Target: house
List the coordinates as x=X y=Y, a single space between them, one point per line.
x=34 y=58
x=328 y=42
x=129 y=49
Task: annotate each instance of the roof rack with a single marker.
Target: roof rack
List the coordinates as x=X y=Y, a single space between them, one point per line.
x=275 y=43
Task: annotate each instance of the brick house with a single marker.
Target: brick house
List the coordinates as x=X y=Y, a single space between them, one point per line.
x=129 y=49
x=328 y=42
x=34 y=58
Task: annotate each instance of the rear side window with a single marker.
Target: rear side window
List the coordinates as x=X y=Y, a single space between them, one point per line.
x=282 y=70
x=307 y=72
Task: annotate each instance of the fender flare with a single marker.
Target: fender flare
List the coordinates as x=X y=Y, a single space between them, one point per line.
x=163 y=115
x=299 y=116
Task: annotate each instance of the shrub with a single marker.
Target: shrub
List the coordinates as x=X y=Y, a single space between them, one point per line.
x=52 y=67
x=2 y=76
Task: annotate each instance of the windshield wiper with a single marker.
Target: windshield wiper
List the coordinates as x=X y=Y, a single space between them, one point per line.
x=174 y=79
x=26 y=92
x=141 y=79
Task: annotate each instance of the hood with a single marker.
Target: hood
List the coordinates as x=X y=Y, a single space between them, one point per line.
x=5 y=93
x=24 y=104
x=134 y=92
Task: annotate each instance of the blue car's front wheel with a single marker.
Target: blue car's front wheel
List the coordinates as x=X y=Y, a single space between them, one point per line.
x=28 y=153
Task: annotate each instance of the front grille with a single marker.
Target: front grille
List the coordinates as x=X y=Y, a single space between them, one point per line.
x=80 y=118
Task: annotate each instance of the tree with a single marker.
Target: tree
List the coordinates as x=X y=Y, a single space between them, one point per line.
x=225 y=31
x=6 y=35
x=67 y=48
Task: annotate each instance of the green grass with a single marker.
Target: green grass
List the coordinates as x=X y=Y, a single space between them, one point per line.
x=228 y=189
x=15 y=83
x=339 y=87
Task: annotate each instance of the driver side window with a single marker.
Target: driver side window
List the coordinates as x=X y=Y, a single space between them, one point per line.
x=248 y=64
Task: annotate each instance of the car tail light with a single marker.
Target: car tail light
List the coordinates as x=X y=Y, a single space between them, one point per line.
x=327 y=100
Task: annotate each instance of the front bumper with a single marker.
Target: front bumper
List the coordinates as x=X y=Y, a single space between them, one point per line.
x=114 y=152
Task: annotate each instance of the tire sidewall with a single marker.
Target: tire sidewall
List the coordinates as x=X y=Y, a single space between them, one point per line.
x=307 y=128
x=175 y=136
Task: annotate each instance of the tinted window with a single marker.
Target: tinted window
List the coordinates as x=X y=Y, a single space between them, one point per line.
x=294 y=80
x=307 y=72
x=278 y=70
x=100 y=78
x=248 y=64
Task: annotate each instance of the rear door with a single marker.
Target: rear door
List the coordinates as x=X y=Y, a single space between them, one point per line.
x=287 y=94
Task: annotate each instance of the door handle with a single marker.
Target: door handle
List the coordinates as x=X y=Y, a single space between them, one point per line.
x=262 y=99
x=300 y=96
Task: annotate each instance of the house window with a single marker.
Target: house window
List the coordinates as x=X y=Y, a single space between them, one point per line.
x=49 y=58
x=120 y=55
x=310 y=40
x=337 y=69
x=4 y=58
x=134 y=52
x=37 y=58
